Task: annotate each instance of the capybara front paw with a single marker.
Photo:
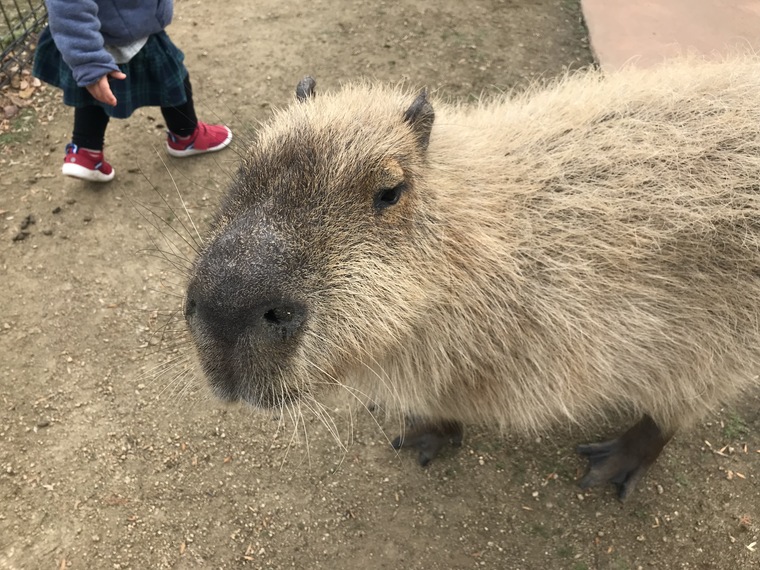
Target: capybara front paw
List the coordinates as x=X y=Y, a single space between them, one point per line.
x=429 y=437
x=625 y=460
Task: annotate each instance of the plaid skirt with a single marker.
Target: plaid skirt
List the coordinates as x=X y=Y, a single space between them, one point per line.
x=155 y=76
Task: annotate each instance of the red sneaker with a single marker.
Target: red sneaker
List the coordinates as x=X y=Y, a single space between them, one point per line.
x=206 y=138
x=86 y=164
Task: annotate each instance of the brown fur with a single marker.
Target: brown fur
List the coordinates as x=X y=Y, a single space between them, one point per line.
x=556 y=255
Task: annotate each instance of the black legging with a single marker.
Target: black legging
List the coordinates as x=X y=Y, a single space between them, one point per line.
x=90 y=122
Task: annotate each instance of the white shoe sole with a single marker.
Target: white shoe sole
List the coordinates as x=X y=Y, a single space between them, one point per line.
x=79 y=171
x=192 y=151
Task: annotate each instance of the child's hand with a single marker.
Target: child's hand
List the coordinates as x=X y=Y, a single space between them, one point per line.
x=101 y=90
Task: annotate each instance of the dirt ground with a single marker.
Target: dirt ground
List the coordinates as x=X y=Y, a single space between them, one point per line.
x=112 y=456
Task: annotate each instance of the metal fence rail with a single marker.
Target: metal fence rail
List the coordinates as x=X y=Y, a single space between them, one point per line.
x=20 y=20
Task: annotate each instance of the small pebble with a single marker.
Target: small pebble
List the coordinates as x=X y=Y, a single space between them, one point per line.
x=28 y=221
x=10 y=111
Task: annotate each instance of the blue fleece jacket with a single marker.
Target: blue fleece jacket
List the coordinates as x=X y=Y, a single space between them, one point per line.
x=80 y=29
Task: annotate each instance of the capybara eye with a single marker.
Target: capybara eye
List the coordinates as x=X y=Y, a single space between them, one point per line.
x=389 y=196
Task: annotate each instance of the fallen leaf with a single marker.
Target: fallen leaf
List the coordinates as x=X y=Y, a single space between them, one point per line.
x=26 y=93
x=19 y=102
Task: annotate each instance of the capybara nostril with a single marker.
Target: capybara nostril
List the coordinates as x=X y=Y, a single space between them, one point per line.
x=284 y=320
x=260 y=323
x=190 y=307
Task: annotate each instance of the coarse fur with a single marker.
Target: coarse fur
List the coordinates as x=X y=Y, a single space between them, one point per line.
x=553 y=256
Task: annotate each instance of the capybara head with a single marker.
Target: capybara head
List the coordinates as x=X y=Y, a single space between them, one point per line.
x=320 y=258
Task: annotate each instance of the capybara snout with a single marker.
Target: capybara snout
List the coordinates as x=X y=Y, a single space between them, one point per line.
x=243 y=297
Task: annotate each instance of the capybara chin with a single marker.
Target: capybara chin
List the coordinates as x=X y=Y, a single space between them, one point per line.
x=546 y=257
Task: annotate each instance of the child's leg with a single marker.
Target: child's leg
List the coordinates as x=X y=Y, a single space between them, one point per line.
x=84 y=156
x=188 y=135
x=181 y=120
x=90 y=127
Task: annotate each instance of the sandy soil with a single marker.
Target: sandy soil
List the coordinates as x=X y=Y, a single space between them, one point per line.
x=112 y=456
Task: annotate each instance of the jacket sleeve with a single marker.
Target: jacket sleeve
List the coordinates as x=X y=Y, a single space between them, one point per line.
x=75 y=28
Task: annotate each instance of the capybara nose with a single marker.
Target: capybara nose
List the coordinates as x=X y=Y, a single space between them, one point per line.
x=245 y=287
x=270 y=321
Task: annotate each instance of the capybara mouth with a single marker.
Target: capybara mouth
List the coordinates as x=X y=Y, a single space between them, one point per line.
x=252 y=392
x=271 y=403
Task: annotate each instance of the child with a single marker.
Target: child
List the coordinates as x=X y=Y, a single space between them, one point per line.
x=111 y=57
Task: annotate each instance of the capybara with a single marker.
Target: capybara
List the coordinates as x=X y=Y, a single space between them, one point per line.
x=552 y=256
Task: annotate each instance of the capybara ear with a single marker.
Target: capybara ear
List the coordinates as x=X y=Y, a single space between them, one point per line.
x=305 y=88
x=420 y=116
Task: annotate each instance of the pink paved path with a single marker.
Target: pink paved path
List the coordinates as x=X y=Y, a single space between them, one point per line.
x=644 y=32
